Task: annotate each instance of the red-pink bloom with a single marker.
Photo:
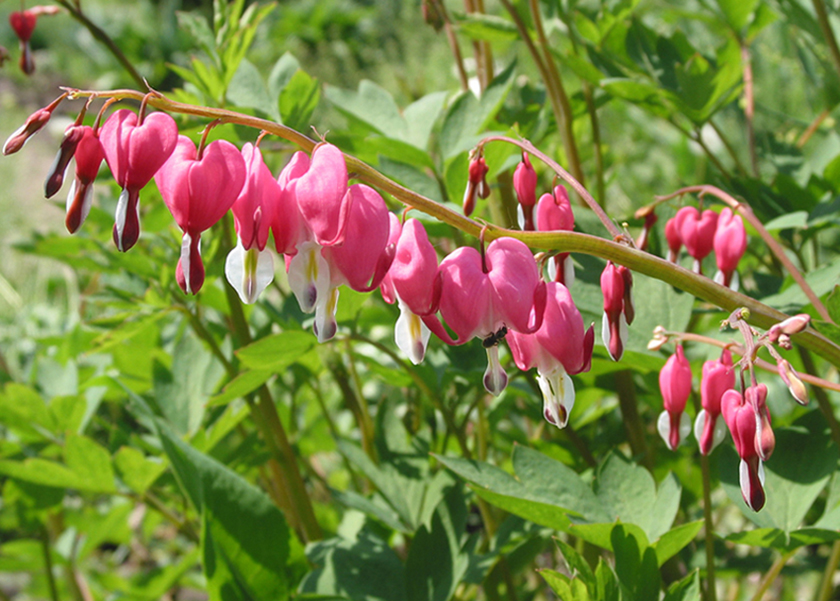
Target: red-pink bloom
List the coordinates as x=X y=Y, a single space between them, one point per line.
x=730 y=242
x=23 y=23
x=412 y=281
x=674 y=238
x=89 y=156
x=554 y=213
x=287 y=223
x=741 y=418
x=198 y=192
x=616 y=286
x=525 y=185
x=481 y=295
x=765 y=439
x=249 y=267
x=697 y=231
x=55 y=177
x=134 y=152
x=33 y=124
x=321 y=195
x=718 y=377
x=558 y=349
x=476 y=184
x=675 y=384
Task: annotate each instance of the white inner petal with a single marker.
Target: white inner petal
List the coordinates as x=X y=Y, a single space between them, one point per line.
x=309 y=276
x=249 y=271
x=411 y=334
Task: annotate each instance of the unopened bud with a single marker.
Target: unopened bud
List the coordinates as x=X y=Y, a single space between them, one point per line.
x=658 y=340
x=629 y=308
x=793 y=382
x=476 y=184
x=34 y=123
x=71 y=140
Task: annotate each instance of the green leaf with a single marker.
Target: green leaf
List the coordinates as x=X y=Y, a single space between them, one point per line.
x=737 y=12
x=43 y=472
x=23 y=410
x=363 y=567
x=559 y=583
x=281 y=74
x=90 y=462
x=138 y=472
x=635 y=565
x=577 y=565
x=791 y=484
x=797 y=219
x=833 y=304
x=607 y=588
x=468 y=116
x=298 y=100
x=675 y=540
x=276 y=352
x=372 y=105
x=420 y=117
x=249 y=551
x=479 y=26
x=687 y=589
x=198 y=27
x=182 y=392
x=436 y=564
x=242 y=385
x=248 y=90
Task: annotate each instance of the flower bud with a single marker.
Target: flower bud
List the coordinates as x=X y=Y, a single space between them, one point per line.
x=34 y=123
x=675 y=385
x=525 y=185
x=793 y=382
x=476 y=184
x=788 y=327
x=72 y=136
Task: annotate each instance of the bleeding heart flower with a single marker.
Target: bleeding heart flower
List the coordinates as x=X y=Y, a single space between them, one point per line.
x=718 y=377
x=742 y=422
x=558 y=349
x=554 y=213
x=89 y=156
x=321 y=195
x=199 y=190
x=135 y=151
x=476 y=184
x=675 y=384
x=525 y=185
x=249 y=268
x=619 y=311
x=697 y=231
x=486 y=296
x=23 y=23
x=55 y=177
x=730 y=242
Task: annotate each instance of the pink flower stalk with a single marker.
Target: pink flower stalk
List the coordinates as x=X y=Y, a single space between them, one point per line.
x=487 y=296
x=135 y=151
x=476 y=184
x=718 y=377
x=558 y=349
x=23 y=23
x=89 y=156
x=697 y=231
x=199 y=190
x=554 y=213
x=33 y=124
x=616 y=285
x=730 y=242
x=412 y=282
x=675 y=384
x=249 y=268
x=525 y=185
x=741 y=419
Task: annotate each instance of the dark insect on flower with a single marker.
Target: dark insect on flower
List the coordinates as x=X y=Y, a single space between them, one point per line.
x=495 y=338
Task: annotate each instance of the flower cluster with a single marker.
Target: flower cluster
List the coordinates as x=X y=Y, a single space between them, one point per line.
x=23 y=24
x=332 y=232
x=701 y=233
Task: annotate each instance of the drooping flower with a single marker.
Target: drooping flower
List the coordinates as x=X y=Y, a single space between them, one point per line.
x=730 y=242
x=487 y=295
x=88 y=156
x=134 y=151
x=554 y=213
x=675 y=384
x=415 y=286
x=558 y=349
x=525 y=185
x=342 y=236
x=476 y=183
x=249 y=267
x=697 y=231
x=718 y=377
x=674 y=238
x=616 y=286
x=55 y=176
x=741 y=419
x=23 y=23
x=199 y=190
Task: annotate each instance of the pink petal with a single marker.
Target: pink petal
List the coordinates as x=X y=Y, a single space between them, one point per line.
x=321 y=195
